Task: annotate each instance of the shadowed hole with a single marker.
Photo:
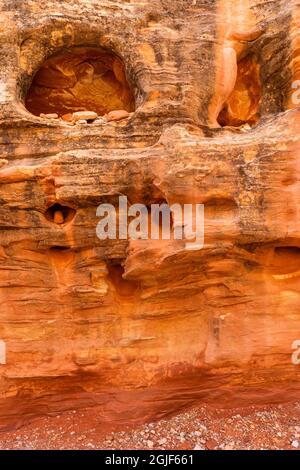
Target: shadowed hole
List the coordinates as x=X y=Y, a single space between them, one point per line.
x=286 y=259
x=115 y=274
x=80 y=79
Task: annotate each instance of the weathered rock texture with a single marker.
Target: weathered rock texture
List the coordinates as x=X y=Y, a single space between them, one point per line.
x=80 y=79
x=147 y=327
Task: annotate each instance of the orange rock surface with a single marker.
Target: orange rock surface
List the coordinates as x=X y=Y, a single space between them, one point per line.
x=144 y=328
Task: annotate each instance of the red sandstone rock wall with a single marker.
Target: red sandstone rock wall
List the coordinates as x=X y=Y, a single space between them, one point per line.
x=147 y=327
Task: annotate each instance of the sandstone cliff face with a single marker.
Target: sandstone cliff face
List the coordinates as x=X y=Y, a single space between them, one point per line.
x=144 y=328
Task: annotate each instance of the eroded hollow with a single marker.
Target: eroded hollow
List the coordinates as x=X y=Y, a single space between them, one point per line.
x=242 y=107
x=219 y=208
x=160 y=220
x=123 y=287
x=286 y=260
x=282 y=262
x=80 y=79
x=59 y=214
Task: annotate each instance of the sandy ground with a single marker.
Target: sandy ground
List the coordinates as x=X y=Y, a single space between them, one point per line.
x=269 y=427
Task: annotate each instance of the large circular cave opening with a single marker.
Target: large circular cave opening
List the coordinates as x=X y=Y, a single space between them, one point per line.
x=80 y=79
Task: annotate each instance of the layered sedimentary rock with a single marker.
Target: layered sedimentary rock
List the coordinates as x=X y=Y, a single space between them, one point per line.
x=145 y=327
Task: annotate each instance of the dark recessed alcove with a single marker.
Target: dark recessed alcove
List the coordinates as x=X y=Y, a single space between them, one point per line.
x=122 y=286
x=242 y=106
